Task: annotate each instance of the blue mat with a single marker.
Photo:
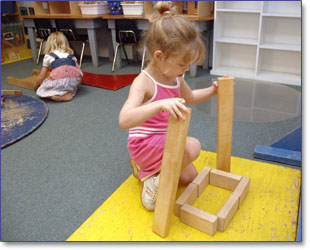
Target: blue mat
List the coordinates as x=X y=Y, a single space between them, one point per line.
x=20 y=116
x=286 y=150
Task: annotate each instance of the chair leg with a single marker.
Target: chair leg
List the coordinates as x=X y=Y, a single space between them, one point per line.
x=125 y=53
x=143 y=58
x=115 y=56
x=39 y=53
x=82 y=54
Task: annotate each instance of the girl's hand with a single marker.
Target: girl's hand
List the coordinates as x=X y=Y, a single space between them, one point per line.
x=215 y=85
x=174 y=106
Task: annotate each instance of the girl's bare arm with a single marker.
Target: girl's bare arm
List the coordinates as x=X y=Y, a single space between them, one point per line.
x=41 y=77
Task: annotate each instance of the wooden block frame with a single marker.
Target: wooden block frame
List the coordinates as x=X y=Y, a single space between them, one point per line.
x=201 y=220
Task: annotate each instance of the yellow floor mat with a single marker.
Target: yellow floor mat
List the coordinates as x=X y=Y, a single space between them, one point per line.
x=269 y=212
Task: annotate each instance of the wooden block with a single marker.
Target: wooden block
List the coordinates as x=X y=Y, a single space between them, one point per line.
x=27 y=83
x=224 y=179
x=12 y=92
x=170 y=173
x=225 y=113
x=242 y=189
x=227 y=212
x=36 y=71
x=198 y=219
x=187 y=197
x=202 y=180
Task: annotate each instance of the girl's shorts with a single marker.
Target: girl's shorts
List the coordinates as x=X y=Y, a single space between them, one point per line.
x=147 y=153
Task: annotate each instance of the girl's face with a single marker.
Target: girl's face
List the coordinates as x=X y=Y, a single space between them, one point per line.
x=173 y=66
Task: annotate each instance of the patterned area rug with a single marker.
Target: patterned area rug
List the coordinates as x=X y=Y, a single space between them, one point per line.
x=20 y=117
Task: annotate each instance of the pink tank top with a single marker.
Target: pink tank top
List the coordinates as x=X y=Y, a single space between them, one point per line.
x=156 y=125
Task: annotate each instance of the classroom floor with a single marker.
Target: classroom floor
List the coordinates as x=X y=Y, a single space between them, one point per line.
x=55 y=178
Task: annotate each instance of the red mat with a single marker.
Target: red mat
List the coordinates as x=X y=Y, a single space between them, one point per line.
x=112 y=82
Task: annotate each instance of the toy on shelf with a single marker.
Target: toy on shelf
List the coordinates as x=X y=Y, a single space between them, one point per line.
x=220 y=177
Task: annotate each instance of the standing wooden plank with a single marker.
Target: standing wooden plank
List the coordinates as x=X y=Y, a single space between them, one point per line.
x=170 y=173
x=225 y=113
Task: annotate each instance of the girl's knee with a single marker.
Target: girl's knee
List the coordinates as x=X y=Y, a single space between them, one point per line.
x=188 y=175
x=192 y=148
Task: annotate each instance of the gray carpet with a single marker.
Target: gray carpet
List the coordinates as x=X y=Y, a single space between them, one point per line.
x=55 y=178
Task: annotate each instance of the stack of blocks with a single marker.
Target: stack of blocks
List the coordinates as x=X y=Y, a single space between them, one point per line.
x=202 y=220
x=221 y=177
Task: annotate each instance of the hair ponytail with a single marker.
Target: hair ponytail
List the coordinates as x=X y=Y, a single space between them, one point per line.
x=163 y=9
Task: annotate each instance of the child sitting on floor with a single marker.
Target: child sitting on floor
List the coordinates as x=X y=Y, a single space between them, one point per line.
x=65 y=76
x=172 y=44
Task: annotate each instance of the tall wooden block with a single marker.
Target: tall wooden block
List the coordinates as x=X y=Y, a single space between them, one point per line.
x=198 y=219
x=170 y=173
x=242 y=189
x=202 y=180
x=225 y=113
x=227 y=212
x=187 y=197
x=224 y=179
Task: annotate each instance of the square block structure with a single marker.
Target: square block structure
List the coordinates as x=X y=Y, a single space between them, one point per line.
x=202 y=220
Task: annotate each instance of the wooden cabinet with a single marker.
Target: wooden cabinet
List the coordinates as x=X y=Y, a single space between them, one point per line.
x=190 y=8
x=57 y=7
x=258 y=40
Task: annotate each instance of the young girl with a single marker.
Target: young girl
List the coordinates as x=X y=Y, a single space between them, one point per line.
x=66 y=75
x=172 y=44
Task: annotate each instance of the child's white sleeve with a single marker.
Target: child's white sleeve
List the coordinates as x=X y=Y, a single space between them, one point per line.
x=47 y=60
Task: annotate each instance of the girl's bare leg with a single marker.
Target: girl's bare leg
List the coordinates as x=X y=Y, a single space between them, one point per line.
x=62 y=98
x=191 y=152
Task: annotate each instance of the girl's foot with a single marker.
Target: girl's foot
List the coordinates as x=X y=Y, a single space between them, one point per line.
x=135 y=169
x=62 y=98
x=149 y=192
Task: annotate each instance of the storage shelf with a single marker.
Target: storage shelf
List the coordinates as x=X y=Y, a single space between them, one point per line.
x=237 y=40
x=239 y=5
x=239 y=11
x=291 y=79
x=258 y=40
x=278 y=46
x=289 y=15
x=234 y=71
x=237 y=25
x=268 y=76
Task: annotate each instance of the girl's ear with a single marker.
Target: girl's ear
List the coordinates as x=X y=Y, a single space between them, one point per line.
x=158 y=56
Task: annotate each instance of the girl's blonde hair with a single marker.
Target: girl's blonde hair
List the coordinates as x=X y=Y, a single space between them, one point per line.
x=57 y=41
x=173 y=34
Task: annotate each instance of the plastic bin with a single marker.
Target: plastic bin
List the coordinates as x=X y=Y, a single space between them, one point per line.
x=94 y=9
x=133 y=9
